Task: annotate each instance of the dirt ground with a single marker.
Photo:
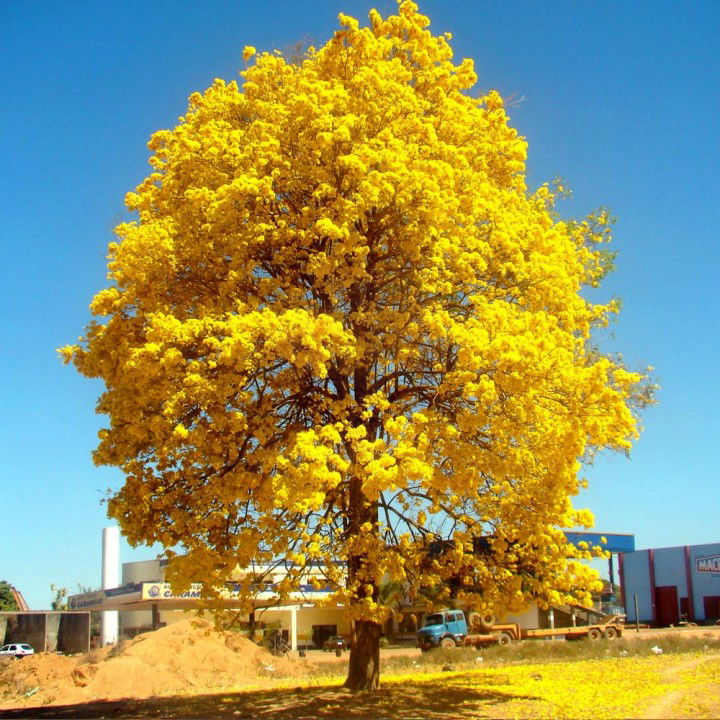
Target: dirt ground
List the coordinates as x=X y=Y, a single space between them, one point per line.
x=186 y=656
x=185 y=670
x=696 y=631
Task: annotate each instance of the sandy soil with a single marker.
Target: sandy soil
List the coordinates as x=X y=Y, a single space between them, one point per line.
x=188 y=655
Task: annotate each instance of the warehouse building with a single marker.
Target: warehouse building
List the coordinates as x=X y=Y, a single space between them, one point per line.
x=672 y=584
x=300 y=621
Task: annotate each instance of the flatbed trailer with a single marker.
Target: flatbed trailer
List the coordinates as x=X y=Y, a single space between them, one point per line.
x=505 y=633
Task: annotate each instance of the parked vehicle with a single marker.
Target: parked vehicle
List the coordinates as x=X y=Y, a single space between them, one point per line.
x=336 y=642
x=17 y=650
x=449 y=628
x=445 y=629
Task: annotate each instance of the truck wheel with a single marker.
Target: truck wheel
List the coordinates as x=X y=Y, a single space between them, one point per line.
x=594 y=634
x=487 y=620
x=504 y=639
x=610 y=633
x=446 y=643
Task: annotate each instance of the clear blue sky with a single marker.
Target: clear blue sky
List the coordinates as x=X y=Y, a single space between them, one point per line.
x=620 y=99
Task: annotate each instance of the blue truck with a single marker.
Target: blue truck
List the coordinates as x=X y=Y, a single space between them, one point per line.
x=450 y=628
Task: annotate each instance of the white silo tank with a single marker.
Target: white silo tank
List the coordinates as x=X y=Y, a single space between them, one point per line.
x=110 y=579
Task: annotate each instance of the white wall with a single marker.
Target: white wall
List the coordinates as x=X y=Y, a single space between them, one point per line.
x=137 y=572
x=306 y=618
x=143 y=571
x=530 y=618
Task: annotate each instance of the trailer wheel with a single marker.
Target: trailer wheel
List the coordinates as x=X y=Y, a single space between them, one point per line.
x=504 y=639
x=610 y=633
x=446 y=643
x=594 y=634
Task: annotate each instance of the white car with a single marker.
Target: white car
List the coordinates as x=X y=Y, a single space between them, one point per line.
x=17 y=650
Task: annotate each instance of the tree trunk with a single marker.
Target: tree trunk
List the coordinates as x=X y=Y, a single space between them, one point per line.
x=364 y=669
x=364 y=666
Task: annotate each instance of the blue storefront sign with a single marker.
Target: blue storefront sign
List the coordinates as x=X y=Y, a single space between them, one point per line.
x=612 y=542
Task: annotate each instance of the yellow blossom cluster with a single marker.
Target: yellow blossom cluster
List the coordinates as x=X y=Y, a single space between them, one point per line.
x=342 y=327
x=613 y=687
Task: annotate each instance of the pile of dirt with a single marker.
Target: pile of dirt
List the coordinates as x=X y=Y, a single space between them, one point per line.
x=185 y=656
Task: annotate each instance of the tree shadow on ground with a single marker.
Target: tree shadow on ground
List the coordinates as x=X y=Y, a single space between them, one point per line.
x=412 y=700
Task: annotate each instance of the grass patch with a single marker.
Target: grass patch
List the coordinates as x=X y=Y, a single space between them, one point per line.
x=118 y=649
x=528 y=652
x=544 y=651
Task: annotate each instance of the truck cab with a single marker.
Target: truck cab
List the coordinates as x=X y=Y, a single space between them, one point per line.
x=446 y=629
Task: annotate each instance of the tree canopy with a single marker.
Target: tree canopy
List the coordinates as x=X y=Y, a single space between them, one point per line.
x=343 y=328
x=7 y=598
x=59 y=601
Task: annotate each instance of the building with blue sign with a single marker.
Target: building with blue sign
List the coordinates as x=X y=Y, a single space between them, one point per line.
x=672 y=583
x=142 y=600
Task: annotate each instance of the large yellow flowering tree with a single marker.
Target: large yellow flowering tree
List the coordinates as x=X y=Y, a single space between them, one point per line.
x=342 y=327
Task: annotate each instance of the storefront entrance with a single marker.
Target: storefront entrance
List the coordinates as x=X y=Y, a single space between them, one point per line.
x=711 y=604
x=666 y=604
x=320 y=633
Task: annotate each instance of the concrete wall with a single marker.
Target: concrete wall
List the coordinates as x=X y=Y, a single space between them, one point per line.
x=67 y=632
x=52 y=628
x=73 y=634
x=28 y=629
